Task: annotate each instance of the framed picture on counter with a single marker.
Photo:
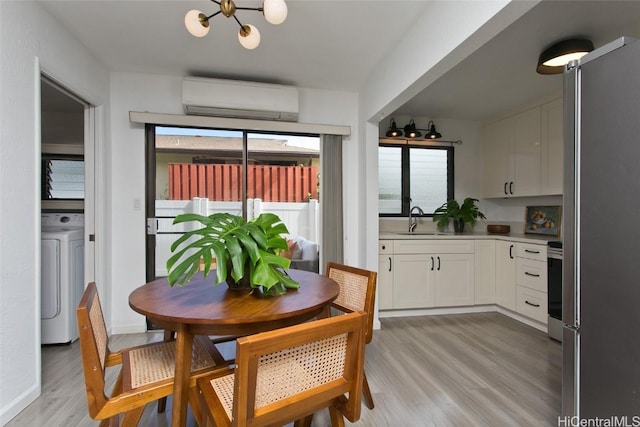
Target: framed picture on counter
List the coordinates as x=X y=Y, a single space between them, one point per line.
x=543 y=220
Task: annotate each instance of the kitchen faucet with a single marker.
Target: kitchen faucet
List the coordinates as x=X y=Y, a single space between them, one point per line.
x=413 y=221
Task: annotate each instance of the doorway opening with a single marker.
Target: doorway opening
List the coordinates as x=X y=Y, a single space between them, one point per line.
x=63 y=194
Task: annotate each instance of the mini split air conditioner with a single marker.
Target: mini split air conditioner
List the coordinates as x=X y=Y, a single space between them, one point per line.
x=238 y=99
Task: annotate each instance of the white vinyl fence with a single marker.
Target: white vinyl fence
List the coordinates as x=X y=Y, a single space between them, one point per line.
x=301 y=219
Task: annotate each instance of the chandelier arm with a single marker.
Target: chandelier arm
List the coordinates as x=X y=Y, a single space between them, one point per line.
x=238 y=21
x=257 y=9
x=211 y=16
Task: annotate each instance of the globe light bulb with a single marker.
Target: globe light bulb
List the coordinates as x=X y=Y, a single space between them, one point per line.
x=249 y=37
x=196 y=24
x=275 y=11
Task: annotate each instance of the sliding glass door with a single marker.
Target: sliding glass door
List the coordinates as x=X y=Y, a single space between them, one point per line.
x=212 y=170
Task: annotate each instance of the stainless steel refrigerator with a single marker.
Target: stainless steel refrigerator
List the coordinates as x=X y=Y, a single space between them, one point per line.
x=601 y=272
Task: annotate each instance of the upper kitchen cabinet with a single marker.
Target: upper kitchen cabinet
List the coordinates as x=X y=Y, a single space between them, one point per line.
x=523 y=153
x=512 y=156
x=551 y=150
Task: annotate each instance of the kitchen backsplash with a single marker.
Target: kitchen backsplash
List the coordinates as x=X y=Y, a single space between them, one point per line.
x=498 y=211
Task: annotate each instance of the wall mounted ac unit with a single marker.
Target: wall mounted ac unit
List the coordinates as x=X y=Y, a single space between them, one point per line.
x=238 y=99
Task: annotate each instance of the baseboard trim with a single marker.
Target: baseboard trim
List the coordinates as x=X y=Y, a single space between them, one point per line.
x=463 y=310
x=16 y=406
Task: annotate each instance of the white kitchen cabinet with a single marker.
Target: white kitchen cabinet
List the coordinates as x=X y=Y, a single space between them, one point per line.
x=498 y=162
x=453 y=279
x=532 y=274
x=413 y=281
x=416 y=273
x=532 y=251
x=385 y=275
x=531 y=281
x=551 y=148
x=506 y=274
x=532 y=303
x=512 y=156
x=485 y=272
x=439 y=272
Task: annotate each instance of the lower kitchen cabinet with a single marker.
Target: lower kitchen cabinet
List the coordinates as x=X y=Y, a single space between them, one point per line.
x=385 y=282
x=485 y=272
x=531 y=281
x=413 y=281
x=432 y=280
x=422 y=274
x=426 y=274
x=532 y=303
x=385 y=275
x=453 y=280
x=506 y=274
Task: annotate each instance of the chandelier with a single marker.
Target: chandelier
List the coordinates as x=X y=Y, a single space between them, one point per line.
x=274 y=11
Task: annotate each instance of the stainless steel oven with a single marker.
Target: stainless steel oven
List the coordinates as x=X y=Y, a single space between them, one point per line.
x=554 y=290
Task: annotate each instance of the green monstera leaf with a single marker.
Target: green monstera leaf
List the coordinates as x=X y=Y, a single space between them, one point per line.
x=235 y=244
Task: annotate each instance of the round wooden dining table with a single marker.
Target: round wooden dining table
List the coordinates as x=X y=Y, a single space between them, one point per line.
x=200 y=308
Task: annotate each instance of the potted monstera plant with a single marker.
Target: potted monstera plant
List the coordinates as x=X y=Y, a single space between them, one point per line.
x=247 y=253
x=467 y=212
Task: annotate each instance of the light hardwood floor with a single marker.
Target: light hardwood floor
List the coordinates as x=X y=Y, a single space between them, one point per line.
x=480 y=369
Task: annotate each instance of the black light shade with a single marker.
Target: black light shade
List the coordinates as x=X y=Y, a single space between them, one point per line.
x=393 y=130
x=410 y=130
x=553 y=59
x=433 y=133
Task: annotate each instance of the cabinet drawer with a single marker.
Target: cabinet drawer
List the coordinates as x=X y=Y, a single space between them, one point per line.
x=532 y=303
x=385 y=247
x=532 y=274
x=531 y=251
x=452 y=246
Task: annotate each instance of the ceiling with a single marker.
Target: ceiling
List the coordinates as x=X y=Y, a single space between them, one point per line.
x=336 y=44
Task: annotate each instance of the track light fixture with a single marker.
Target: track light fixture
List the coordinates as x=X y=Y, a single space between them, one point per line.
x=553 y=59
x=410 y=131
x=393 y=131
x=274 y=11
x=432 y=133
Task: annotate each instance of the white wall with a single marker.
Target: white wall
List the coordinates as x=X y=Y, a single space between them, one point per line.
x=162 y=94
x=461 y=28
x=29 y=39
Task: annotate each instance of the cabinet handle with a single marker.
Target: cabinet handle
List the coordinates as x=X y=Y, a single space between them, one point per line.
x=531 y=274
x=511 y=187
x=389 y=263
x=432 y=263
x=511 y=251
x=438 y=263
x=531 y=252
x=531 y=304
x=505 y=188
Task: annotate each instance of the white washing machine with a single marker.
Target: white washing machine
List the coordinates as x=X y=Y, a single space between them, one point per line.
x=62 y=278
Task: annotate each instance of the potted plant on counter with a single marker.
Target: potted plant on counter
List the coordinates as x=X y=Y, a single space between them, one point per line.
x=247 y=253
x=468 y=212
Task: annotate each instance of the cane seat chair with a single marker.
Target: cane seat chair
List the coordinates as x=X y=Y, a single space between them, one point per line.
x=287 y=374
x=146 y=371
x=357 y=293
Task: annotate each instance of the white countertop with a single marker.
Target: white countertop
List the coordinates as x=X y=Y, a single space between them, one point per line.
x=437 y=235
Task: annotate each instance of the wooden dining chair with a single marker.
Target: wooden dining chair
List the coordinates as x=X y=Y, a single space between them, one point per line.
x=288 y=374
x=146 y=371
x=357 y=293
